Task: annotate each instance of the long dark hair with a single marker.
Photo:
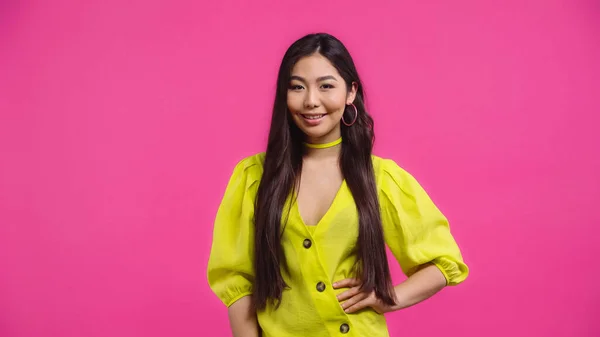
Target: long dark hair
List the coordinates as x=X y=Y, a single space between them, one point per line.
x=282 y=168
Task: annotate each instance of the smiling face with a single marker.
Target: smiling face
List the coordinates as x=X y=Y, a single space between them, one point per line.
x=317 y=97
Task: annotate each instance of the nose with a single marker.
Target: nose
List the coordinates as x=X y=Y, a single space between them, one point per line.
x=311 y=100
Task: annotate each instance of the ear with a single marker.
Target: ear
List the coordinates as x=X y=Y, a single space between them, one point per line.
x=352 y=93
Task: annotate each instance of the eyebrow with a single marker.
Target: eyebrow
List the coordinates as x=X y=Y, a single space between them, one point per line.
x=322 y=78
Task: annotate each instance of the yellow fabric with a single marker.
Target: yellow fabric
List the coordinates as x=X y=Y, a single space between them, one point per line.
x=325 y=145
x=415 y=231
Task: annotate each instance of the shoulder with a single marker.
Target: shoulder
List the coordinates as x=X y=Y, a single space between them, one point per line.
x=393 y=178
x=250 y=166
x=387 y=168
x=254 y=161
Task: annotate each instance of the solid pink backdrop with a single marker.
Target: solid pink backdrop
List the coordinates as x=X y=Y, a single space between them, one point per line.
x=121 y=123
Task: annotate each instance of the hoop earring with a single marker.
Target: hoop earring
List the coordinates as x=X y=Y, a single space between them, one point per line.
x=355 y=116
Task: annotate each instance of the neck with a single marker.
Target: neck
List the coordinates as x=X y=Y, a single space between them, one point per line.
x=322 y=150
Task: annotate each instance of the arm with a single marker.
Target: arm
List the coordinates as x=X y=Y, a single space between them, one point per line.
x=420 y=286
x=418 y=235
x=230 y=268
x=242 y=318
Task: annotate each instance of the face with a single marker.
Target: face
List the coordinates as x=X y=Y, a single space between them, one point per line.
x=317 y=97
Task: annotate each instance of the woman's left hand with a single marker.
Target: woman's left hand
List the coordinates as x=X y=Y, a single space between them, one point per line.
x=353 y=299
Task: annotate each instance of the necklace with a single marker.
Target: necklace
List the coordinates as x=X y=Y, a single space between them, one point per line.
x=324 y=146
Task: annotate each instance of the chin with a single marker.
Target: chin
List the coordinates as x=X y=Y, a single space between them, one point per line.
x=318 y=132
x=314 y=135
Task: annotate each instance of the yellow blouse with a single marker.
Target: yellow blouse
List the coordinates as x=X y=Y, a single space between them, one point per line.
x=414 y=229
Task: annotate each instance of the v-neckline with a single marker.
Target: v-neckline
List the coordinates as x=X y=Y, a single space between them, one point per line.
x=329 y=209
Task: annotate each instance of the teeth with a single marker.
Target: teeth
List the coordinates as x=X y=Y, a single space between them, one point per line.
x=313 y=117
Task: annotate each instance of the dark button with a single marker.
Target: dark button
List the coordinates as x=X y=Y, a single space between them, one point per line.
x=320 y=287
x=307 y=243
x=344 y=328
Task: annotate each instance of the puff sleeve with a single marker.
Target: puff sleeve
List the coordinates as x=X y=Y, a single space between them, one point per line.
x=415 y=230
x=230 y=266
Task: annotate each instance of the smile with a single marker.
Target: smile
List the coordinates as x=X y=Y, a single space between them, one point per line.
x=312 y=117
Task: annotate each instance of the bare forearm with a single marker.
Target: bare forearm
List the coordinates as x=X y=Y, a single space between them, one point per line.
x=242 y=318
x=420 y=286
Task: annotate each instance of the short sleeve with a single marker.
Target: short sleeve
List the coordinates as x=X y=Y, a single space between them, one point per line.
x=230 y=266
x=415 y=229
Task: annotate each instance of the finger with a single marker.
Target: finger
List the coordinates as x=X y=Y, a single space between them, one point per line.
x=354 y=300
x=347 y=283
x=348 y=294
x=358 y=306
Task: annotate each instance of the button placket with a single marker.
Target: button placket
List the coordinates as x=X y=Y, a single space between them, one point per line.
x=317 y=278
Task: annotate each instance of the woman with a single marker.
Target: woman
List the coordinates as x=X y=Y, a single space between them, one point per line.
x=299 y=238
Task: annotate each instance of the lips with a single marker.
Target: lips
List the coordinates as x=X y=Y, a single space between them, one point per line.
x=312 y=119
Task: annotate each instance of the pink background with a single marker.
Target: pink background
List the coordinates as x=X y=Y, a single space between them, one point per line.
x=121 y=122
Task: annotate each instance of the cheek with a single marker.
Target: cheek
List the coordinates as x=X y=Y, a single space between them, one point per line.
x=335 y=103
x=294 y=103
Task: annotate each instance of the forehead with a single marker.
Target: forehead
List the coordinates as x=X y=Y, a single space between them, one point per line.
x=313 y=66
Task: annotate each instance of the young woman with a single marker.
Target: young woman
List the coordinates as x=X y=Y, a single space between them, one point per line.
x=300 y=236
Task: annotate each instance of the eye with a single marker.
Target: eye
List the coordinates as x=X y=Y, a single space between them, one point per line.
x=296 y=87
x=327 y=86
